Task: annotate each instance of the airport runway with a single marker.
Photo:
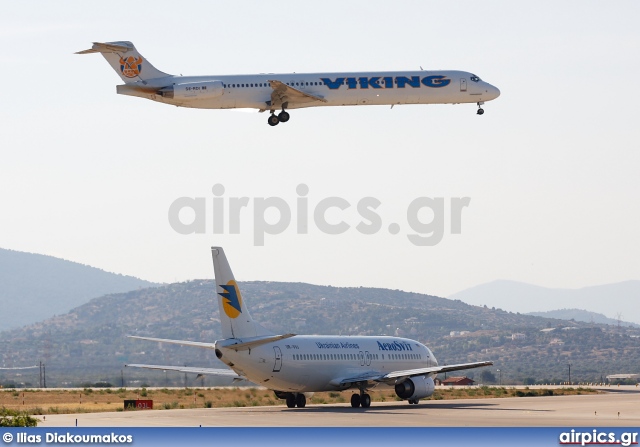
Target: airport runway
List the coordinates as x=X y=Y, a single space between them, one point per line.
x=566 y=411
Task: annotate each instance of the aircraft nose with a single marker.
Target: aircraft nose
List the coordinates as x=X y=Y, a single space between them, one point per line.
x=494 y=92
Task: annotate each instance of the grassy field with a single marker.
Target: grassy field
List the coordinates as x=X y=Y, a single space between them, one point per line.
x=90 y=400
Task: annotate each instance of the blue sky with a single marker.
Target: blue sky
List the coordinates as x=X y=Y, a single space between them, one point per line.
x=551 y=168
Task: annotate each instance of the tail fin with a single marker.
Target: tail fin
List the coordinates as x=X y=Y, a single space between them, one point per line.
x=126 y=61
x=234 y=315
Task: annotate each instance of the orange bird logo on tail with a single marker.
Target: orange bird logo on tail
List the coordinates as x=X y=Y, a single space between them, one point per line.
x=131 y=66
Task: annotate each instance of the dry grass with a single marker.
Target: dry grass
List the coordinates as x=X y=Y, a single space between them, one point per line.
x=53 y=401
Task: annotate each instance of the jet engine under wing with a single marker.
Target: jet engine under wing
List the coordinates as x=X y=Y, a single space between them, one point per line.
x=191 y=369
x=285 y=94
x=410 y=373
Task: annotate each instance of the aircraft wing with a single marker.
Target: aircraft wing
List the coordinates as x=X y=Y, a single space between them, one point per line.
x=434 y=369
x=191 y=369
x=283 y=93
x=395 y=375
x=372 y=376
x=21 y=367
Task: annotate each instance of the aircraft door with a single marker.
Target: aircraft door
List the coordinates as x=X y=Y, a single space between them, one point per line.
x=361 y=358
x=463 y=84
x=278 y=356
x=367 y=357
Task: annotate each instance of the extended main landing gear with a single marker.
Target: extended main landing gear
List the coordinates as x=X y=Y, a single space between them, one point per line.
x=480 y=109
x=281 y=117
x=296 y=400
x=361 y=400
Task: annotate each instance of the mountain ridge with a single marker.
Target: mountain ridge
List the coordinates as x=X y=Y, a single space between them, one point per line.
x=35 y=286
x=608 y=299
x=582 y=315
x=89 y=344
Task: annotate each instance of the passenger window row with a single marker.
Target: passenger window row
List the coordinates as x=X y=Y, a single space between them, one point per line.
x=266 y=84
x=354 y=357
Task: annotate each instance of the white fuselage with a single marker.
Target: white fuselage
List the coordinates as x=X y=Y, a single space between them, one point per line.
x=296 y=365
x=310 y=363
x=338 y=89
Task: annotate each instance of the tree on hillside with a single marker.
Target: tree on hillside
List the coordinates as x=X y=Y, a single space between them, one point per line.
x=487 y=376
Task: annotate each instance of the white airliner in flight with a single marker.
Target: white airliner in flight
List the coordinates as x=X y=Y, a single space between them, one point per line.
x=293 y=90
x=295 y=366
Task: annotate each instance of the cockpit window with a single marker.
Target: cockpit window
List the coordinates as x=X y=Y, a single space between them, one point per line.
x=474 y=78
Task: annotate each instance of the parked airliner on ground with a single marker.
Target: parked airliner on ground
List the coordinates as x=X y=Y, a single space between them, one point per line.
x=293 y=90
x=296 y=365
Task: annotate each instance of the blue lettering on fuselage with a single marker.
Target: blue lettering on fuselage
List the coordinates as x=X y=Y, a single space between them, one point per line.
x=370 y=82
x=333 y=345
x=403 y=80
x=395 y=346
x=435 y=81
x=333 y=84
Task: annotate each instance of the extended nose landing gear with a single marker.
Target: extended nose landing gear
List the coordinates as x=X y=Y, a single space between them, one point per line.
x=480 y=109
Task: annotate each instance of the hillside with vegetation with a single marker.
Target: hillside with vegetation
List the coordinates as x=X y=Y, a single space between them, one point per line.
x=89 y=344
x=582 y=315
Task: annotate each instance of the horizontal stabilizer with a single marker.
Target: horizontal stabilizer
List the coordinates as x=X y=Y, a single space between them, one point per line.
x=99 y=47
x=252 y=344
x=177 y=342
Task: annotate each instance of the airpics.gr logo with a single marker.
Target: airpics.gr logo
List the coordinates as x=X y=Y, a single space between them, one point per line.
x=131 y=66
x=231 y=299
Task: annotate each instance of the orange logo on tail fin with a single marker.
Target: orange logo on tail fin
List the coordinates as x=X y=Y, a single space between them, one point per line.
x=131 y=66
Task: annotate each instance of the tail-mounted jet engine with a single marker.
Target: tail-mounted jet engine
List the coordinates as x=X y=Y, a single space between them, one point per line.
x=193 y=90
